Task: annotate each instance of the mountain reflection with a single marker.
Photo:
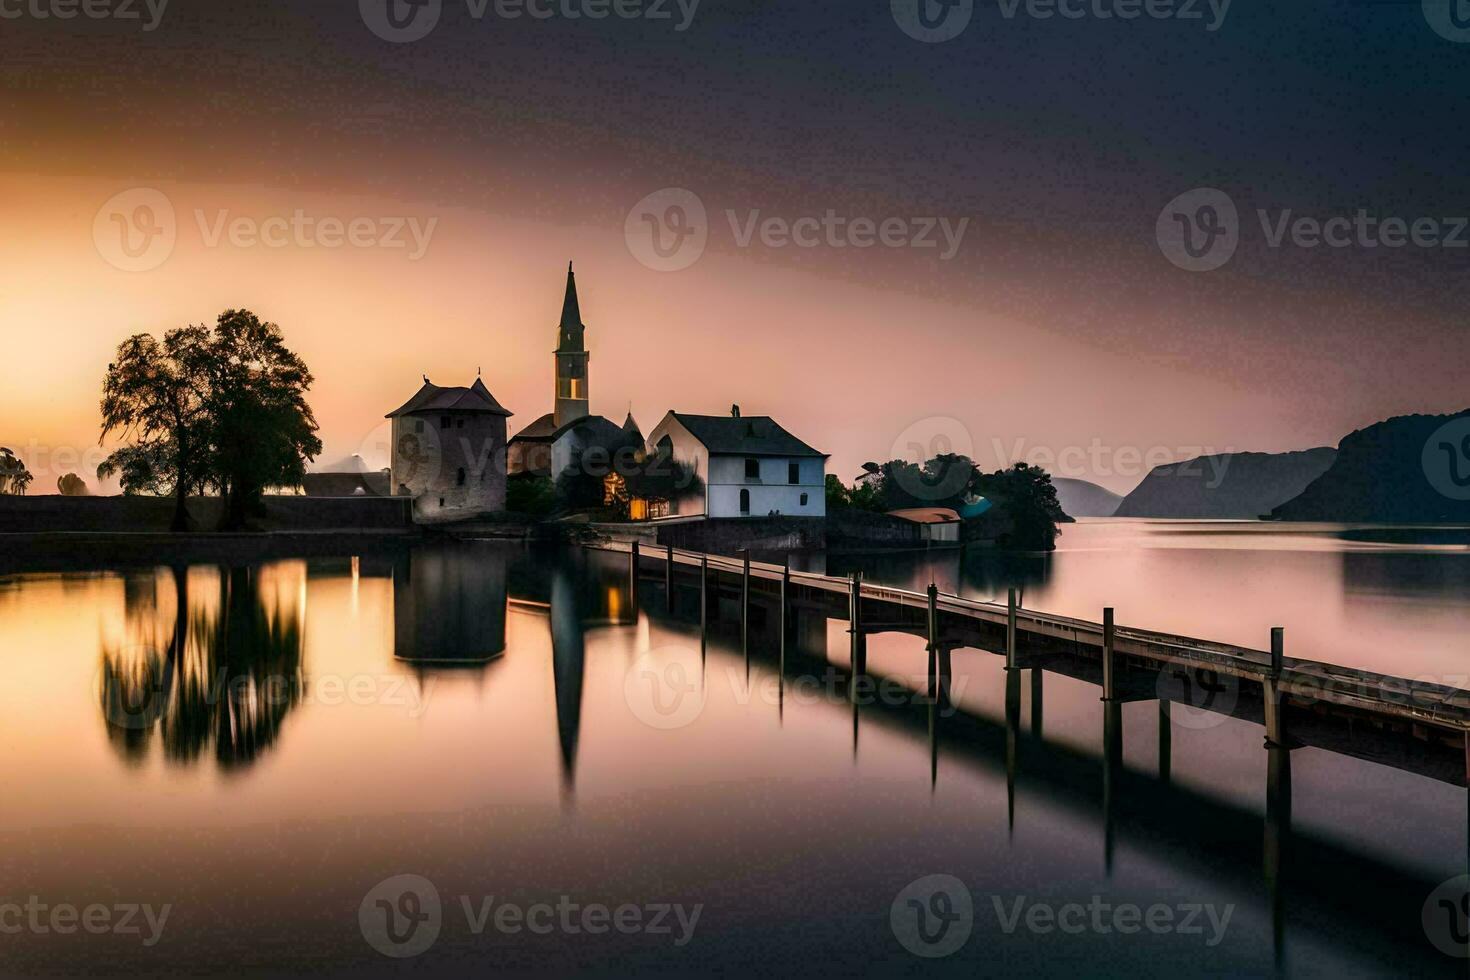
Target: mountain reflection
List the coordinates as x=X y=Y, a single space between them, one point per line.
x=222 y=681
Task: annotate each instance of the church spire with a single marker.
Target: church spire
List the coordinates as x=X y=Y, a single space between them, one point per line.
x=569 y=337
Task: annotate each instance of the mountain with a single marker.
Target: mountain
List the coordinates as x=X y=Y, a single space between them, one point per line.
x=1240 y=486
x=1082 y=499
x=1412 y=469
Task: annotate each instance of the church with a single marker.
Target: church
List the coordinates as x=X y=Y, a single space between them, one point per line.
x=557 y=441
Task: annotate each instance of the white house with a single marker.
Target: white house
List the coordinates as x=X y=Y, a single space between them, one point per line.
x=748 y=466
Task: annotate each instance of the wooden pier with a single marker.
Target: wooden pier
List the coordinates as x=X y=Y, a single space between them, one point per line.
x=1298 y=702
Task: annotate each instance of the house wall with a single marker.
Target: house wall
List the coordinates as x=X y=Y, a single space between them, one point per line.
x=772 y=491
x=687 y=449
x=428 y=460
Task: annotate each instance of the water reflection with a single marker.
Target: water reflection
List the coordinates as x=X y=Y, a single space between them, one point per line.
x=221 y=681
x=449 y=604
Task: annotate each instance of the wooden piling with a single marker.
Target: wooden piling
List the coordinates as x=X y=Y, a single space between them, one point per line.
x=745 y=602
x=859 y=655
x=1273 y=709
x=669 y=577
x=703 y=602
x=633 y=573
x=1011 y=654
x=933 y=632
x=785 y=610
x=1109 y=668
x=1166 y=740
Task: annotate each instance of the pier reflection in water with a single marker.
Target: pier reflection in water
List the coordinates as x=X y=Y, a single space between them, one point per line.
x=800 y=796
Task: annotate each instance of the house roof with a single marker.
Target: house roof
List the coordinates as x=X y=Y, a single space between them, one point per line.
x=927 y=515
x=744 y=435
x=432 y=398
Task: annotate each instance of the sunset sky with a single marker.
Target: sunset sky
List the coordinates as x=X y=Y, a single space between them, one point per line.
x=515 y=145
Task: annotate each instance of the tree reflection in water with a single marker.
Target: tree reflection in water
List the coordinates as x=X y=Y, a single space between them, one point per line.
x=224 y=681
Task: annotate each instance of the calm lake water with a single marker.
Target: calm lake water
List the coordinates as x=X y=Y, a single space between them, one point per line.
x=578 y=781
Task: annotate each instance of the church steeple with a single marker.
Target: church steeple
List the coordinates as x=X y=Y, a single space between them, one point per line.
x=569 y=337
x=571 y=358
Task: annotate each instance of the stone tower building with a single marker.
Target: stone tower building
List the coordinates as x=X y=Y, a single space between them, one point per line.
x=449 y=452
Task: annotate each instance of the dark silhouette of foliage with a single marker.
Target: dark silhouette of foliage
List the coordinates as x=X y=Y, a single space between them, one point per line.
x=14 y=477
x=526 y=493
x=203 y=409
x=72 y=485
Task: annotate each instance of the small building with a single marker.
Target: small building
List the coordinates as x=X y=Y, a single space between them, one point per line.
x=449 y=451
x=937 y=525
x=741 y=466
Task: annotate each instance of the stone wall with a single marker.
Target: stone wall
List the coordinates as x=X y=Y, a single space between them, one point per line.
x=725 y=536
x=33 y=514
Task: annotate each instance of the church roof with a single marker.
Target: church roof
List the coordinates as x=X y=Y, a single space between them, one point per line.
x=569 y=336
x=432 y=398
x=541 y=430
x=630 y=428
x=749 y=435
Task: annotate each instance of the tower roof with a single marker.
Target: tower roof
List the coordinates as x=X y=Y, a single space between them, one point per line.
x=432 y=398
x=569 y=336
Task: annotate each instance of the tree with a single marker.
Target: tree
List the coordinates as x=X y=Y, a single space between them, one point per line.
x=72 y=485
x=264 y=432
x=1029 y=500
x=205 y=409
x=154 y=395
x=14 y=477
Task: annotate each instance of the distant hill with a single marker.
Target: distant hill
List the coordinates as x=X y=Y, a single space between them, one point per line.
x=1226 y=486
x=1080 y=498
x=1409 y=470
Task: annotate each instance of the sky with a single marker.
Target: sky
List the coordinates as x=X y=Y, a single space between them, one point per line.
x=894 y=239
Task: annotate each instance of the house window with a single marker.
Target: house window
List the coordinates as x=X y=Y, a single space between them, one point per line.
x=572 y=388
x=752 y=469
x=804 y=499
x=444 y=422
x=745 y=502
x=461 y=476
x=793 y=472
